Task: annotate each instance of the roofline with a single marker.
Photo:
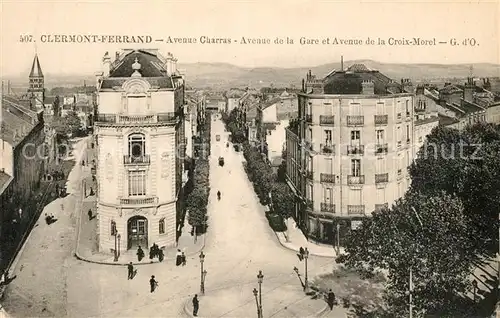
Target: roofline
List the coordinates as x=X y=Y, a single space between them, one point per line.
x=355 y=96
x=6 y=184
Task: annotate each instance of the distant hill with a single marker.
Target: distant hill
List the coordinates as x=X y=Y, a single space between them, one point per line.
x=223 y=75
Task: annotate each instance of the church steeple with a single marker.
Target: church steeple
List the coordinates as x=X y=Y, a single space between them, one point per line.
x=36 y=81
x=36 y=70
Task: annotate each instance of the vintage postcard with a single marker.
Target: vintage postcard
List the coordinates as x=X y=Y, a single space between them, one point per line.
x=298 y=158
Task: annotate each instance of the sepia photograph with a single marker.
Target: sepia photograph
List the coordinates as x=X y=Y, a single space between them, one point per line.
x=268 y=159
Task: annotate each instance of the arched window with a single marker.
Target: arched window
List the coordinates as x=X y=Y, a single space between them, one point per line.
x=113 y=227
x=136 y=146
x=161 y=226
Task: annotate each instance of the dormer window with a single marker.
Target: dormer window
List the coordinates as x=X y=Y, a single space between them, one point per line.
x=136 y=146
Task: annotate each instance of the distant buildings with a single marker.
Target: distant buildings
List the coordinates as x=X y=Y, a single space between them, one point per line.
x=347 y=154
x=140 y=137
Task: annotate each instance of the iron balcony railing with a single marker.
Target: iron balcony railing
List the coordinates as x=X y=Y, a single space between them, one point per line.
x=144 y=159
x=136 y=119
x=381 y=119
x=308 y=118
x=381 y=178
x=355 y=149
x=327 y=207
x=309 y=204
x=309 y=174
x=327 y=149
x=327 y=178
x=326 y=119
x=139 y=201
x=356 y=209
x=355 y=120
x=381 y=148
x=355 y=179
x=380 y=207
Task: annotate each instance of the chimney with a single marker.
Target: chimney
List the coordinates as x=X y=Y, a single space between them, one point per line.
x=174 y=65
x=367 y=87
x=169 y=63
x=342 y=63
x=106 y=64
x=406 y=85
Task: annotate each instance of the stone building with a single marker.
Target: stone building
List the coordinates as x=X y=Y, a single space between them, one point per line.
x=348 y=153
x=139 y=129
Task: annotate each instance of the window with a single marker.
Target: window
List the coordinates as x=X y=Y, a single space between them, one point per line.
x=356 y=167
x=328 y=137
x=327 y=195
x=407 y=132
x=136 y=104
x=309 y=163
x=161 y=226
x=137 y=183
x=355 y=109
x=136 y=145
x=380 y=165
x=309 y=191
x=398 y=108
x=380 y=109
x=309 y=108
x=407 y=106
x=355 y=197
x=113 y=228
x=399 y=134
x=310 y=134
x=355 y=137
x=141 y=227
x=328 y=165
x=380 y=136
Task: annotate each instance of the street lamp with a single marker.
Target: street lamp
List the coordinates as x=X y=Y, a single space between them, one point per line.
x=260 y=279
x=306 y=283
x=202 y=274
x=255 y=292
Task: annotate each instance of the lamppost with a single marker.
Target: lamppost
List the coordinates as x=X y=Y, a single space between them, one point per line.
x=115 y=234
x=119 y=237
x=202 y=274
x=306 y=283
x=260 y=279
x=255 y=292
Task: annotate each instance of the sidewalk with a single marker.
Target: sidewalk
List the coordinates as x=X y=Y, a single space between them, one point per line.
x=296 y=239
x=285 y=301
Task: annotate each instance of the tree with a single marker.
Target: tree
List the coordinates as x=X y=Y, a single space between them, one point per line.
x=427 y=233
x=55 y=106
x=67 y=125
x=466 y=164
x=283 y=199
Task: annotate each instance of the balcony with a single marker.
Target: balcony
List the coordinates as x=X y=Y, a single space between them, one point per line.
x=326 y=120
x=398 y=116
x=327 y=207
x=308 y=145
x=139 y=201
x=309 y=204
x=355 y=149
x=381 y=149
x=309 y=175
x=327 y=149
x=380 y=207
x=355 y=120
x=355 y=179
x=309 y=119
x=381 y=120
x=119 y=119
x=136 y=160
x=381 y=178
x=327 y=178
x=355 y=209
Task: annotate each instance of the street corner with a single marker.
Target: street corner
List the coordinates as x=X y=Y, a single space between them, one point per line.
x=285 y=301
x=318 y=250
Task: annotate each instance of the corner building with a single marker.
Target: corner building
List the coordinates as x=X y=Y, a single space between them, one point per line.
x=140 y=135
x=349 y=150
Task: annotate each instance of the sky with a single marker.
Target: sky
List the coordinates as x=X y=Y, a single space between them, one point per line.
x=252 y=19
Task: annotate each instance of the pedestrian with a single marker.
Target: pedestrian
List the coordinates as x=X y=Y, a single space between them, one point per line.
x=140 y=254
x=90 y=214
x=331 y=299
x=130 y=268
x=83 y=163
x=156 y=249
x=91 y=192
x=153 y=283
x=196 y=305
x=183 y=259
x=152 y=253
x=301 y=253
x=160 y=255
x=178 y=258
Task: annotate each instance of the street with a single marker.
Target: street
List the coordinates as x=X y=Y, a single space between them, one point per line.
x=239 y=243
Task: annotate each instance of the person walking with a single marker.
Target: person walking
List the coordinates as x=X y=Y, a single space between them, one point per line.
x=130 y=268
x=140 y=254
x=90 y=214
x=161 y=255
x=183 y=259
x=331 y=299
x=178 y=258
x=153 y=283
x=196 y=305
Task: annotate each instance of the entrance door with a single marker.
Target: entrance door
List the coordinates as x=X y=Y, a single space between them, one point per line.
x=137 y=232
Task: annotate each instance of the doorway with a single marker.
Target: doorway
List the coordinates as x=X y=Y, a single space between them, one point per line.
x=137 y=230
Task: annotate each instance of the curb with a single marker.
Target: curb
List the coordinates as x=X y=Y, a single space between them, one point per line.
x=88 y=260
x=297 y=250
x=189 y=313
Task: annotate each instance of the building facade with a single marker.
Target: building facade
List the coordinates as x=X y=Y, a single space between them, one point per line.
x=140 y=144
x=348 y=152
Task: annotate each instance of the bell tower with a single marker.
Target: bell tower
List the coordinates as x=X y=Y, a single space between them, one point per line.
x=36 y=81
